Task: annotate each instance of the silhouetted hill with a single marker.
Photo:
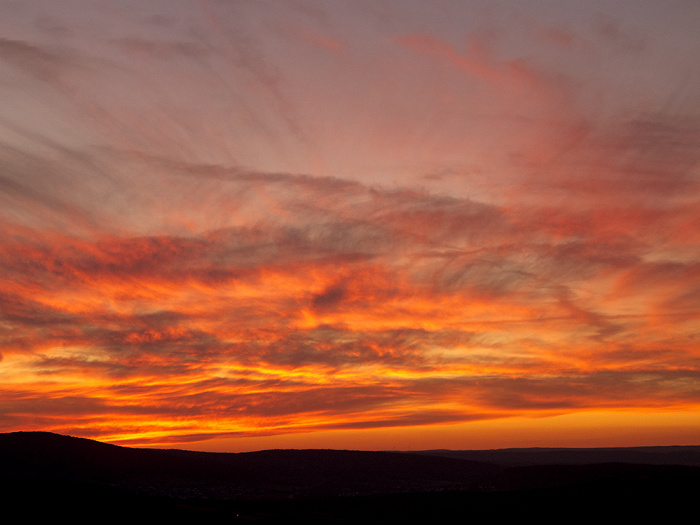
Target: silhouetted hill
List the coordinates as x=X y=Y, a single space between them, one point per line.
x=675 y=455
x=48 y=475
x=46 y=456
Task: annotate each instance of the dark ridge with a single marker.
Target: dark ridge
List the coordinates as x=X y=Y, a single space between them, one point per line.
x=46 y=456
x=509 y=457
x=46 y=475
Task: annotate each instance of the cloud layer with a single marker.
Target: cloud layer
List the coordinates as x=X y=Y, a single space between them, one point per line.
x=221 y=221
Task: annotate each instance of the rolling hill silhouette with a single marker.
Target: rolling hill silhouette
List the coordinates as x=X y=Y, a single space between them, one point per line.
x=47 y=475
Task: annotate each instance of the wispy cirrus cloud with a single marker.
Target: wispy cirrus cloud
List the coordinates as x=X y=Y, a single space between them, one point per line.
x=345 y=223
x=340 y=285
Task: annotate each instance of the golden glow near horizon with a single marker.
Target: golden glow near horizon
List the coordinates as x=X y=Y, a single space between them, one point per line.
x=229 y=227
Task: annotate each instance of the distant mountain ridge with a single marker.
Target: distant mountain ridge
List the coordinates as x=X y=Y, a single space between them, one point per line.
x=660 y=455
x=76 y=473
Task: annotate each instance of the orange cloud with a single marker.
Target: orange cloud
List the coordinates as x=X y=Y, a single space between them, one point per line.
x=337 y=317
x=211 y=230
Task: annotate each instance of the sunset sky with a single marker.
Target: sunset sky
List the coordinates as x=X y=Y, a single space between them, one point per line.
x=369 y=224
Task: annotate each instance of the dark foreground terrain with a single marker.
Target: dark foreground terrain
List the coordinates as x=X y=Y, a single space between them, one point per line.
x=49 y=476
